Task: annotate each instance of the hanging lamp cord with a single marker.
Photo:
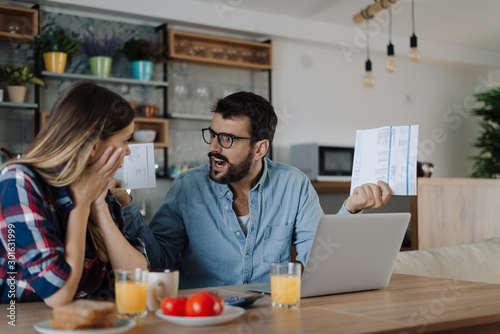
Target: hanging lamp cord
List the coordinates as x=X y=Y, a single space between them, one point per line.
x=390 y=25
x=413 y=16
x=367 y=41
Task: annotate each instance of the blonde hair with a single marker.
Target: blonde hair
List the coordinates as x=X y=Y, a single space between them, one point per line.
x=83 y=114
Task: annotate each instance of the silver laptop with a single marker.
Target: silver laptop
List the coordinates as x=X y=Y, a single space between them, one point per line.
x=352 y=253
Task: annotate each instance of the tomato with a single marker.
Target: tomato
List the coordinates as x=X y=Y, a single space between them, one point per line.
x=204 y=304
x=174 y=306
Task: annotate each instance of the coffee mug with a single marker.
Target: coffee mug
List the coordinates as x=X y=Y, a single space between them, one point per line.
x=150 y=110
x=161 y=283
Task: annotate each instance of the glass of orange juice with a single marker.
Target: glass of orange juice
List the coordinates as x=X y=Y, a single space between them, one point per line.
x=285 y=284
x=131 y=292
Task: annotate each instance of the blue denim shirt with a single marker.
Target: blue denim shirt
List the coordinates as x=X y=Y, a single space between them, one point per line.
x=196 y=229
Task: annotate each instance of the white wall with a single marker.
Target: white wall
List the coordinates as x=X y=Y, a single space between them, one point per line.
x=318 y=96
x=317 y=90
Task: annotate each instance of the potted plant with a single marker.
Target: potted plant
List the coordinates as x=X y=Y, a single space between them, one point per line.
x=100 y=53
x=56 y=46
x=487 y=161
x=143 y=55
x=16 y=78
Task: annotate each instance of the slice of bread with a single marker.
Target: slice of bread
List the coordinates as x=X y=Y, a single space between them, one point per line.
x=82 y=314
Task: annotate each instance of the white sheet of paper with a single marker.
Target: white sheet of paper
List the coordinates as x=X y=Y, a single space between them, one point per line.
x=138 y=169
x=388 y=154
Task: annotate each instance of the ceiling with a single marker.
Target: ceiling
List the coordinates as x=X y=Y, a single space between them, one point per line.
x=470 y=23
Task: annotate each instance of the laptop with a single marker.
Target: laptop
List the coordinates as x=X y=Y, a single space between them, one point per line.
x=352 y=253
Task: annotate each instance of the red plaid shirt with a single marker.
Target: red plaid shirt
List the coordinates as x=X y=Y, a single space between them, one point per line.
x=33 y=220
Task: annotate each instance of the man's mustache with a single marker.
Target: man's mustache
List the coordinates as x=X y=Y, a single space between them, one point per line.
x=218 y=156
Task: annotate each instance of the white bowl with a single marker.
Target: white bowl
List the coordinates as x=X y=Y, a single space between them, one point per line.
x=144 y=136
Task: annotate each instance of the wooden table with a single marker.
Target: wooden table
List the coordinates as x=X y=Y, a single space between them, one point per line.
x=410 y=304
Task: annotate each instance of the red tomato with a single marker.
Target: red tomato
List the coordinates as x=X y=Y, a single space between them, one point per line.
x=174 y=306
x=204 y=304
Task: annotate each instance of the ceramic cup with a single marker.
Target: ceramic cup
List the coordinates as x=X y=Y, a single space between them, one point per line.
x=161 y=283
x=150 y=110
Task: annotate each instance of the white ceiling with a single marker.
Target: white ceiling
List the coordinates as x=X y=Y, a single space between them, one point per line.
x=470 y=23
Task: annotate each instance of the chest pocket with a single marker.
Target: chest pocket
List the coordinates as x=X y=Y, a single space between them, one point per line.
x=277 y=243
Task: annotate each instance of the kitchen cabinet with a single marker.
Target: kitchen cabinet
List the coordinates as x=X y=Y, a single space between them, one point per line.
x=219 y=51
x=18 y=24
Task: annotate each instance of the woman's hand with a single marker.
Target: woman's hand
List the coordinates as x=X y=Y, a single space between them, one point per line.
x=93 y=184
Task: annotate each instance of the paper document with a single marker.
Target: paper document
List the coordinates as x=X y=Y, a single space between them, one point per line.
x=388 y=154
x=138 y=169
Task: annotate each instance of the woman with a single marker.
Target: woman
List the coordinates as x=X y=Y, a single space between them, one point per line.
x=61 y=231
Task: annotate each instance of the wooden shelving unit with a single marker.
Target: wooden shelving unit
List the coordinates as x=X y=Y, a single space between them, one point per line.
x=160 y=125
x=17 y=24
x=222 y=51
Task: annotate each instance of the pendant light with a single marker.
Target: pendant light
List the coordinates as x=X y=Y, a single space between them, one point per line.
x=414 y=55
x=390 y=64
x=368 y=80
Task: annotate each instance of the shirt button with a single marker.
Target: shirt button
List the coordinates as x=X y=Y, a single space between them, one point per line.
x=248 y=256
x=237 y=233
x=226 y=207
x=221 y=193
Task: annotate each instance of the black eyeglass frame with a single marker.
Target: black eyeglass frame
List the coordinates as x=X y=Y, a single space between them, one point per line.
x=231 y=137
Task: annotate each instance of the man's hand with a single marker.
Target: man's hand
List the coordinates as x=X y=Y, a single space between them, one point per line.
x=368 y=196
x=121 y=194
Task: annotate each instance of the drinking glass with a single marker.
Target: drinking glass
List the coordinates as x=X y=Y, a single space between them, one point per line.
x=285 y=284
x=131 y=290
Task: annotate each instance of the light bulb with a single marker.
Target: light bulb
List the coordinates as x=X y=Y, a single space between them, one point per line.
x=414 y=55
x=368 y=80
x=390 y=64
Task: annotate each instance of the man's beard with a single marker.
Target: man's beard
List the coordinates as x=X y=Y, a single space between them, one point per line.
x=233 y=172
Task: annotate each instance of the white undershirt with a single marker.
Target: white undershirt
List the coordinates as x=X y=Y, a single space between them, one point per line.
x=244 y=221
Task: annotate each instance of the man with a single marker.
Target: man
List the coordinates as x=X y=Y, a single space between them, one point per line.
x=223 y=223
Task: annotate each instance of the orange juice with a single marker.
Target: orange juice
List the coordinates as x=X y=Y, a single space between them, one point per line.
x=285 y=289
x=131 y=296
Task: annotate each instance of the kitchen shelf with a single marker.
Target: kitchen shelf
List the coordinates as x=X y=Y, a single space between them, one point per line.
x=25 y=20
x=191 y=117
x=213 y=50
x=18 y=105
x=74 y=76
x=160 y=125
x=332 y=187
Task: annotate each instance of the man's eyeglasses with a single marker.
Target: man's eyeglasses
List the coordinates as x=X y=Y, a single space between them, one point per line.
x=225 y=140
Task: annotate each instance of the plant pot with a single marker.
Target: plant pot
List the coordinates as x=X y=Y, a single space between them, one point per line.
x=55 y=61
x=100 y=66
x=142 y=69
x=17 y=94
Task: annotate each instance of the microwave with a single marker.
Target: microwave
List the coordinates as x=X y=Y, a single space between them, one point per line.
x=323 y=162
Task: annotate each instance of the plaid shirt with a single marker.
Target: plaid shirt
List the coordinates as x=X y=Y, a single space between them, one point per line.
x=33 y=220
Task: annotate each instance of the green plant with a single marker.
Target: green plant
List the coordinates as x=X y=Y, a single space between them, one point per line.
x=20 y=75
x=55 y=40
x=140 y=49
x=487 y=162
